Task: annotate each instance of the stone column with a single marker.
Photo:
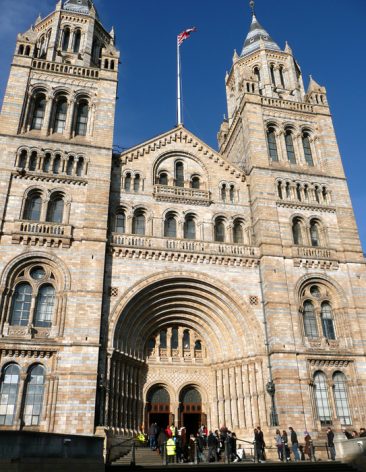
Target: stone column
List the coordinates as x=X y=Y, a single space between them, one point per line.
x=220 y=397
x=227 y=402
x=253 y=393
x=233 y=398
x=261 y=395
x=69 y=118
x=47 y=116
x=240 y=396
x=247 y=398
x=169 y=342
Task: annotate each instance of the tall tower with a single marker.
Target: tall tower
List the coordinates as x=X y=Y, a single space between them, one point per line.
x=56 y=138
x=311 y=265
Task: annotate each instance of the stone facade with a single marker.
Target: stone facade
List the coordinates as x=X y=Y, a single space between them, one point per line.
x=173 y=282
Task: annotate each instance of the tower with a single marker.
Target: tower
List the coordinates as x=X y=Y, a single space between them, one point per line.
x=311 y=264
x=56 y=150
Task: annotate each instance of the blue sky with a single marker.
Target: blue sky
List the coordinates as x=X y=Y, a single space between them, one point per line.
x=327 y=38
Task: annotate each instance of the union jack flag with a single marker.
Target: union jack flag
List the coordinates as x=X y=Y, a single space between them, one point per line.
x=185 y=35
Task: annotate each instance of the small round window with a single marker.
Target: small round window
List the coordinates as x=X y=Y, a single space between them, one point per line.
x=38 y=273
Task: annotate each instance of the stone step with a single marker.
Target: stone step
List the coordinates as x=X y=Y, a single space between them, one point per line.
x=241 y=467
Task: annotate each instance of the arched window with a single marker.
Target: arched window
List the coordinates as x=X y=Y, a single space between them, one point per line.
x=112 y=65
x=136 y=183
x=33 y=207
x=273 y=75
x=128 y=182
x=297 y=231
x=327 y=321
x=47 y=163
x=163 y=178
x=82 y=114
x=138 y=222
x=33 y=161
x=288 y=190
x=279 y=190
x=60 y=115
x=189 y=227
x=179 y=174
x=223 y=192
x=66 y=39
x=341 y=398
x=170 y=226
x=272 y=144
x=238 y=236
x=77 y=41
x=317 y=194
x=21 y=305
x=70 y=166
x=232 y=193
x=55 y=211
x=257 y=73
x=186 y=339
x=314 y=233
x=80 y=167
x=9 y=386
x=198 y=346
x=38 y=112
x=195 y=183
x=219 y=230
x=321 y=399
x=33 y=400
x=298 y=192
x=21 y=49
x=174 y=342
x=120 y=222
x=163 y=343
x=282 y=77
x=22 y=159
x=27 y=51
x=290 y=147
x=56 y=165
x=310 y=324
x=44 y=306
x=307 y=149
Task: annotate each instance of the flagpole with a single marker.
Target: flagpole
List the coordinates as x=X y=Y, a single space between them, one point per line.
x=179 y=87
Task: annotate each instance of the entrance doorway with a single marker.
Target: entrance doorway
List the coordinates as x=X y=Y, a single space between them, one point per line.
x=158 y=408
x=191 y=415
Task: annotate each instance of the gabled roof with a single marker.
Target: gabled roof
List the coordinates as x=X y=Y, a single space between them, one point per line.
x=256 y=35
x=79 y=6
x=182 y=135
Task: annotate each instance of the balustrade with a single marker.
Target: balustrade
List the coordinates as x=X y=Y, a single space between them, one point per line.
x=171 y=193
x=30 y=232
x=66 y=69
x=276 y=102
x=314 y=252
x=207 y=247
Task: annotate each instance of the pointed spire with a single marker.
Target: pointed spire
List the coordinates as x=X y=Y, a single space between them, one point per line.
x=288 y=48
x=86 y=7
x=256 y=34
x=235 y=56
x=39 y=19
x=112 y=34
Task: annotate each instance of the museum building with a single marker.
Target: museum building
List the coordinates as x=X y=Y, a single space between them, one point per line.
x=173 y=282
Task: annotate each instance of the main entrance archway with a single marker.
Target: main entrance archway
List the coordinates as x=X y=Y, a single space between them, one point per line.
x=193 y=335
x=157 y=409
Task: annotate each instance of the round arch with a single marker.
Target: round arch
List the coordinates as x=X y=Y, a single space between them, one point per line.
x=224 y=322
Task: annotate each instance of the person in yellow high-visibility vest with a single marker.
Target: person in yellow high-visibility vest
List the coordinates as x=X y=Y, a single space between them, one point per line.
x=170 y=450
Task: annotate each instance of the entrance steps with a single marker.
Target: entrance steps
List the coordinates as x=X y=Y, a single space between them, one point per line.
x=237 y=467
x=144 y=456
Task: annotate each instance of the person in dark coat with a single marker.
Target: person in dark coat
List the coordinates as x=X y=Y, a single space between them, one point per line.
x=295 y=444
x=162 y=438
x=362 y=433
x=259 y=443
x=213 y=444
x=153 y=431
x=232 y=448
x=330 y=441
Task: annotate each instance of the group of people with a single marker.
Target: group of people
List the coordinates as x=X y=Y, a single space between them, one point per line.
x=181 y=447
x=222 y=443
x=354 y=434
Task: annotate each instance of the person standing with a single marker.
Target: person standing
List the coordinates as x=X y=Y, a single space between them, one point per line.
x=294 y=444
x=286 y=449
x=330 y=440
x=260 y=444
x=212 y=443
x=307 y=449
x=279 y=444
x=170 y=450
x=153 y=431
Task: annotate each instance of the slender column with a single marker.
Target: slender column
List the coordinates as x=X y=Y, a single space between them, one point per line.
x=299 y=152
x=233 y=398
x=228 y=415
x=21 y=393
x=180 y=341
x=240 y=396
x=214 y=405
x=261 y=395
x=169 y=342
x=26 y=114
x=69 y=118
x=253 y=393
x=220 y=396
x=247 y=399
